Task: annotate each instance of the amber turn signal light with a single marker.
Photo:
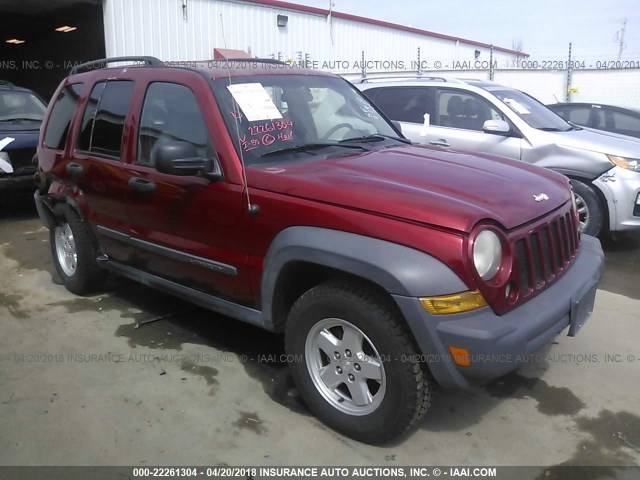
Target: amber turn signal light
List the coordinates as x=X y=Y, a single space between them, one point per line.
x=455 y=303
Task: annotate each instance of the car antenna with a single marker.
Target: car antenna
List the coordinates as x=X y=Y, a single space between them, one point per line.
x=252 y=208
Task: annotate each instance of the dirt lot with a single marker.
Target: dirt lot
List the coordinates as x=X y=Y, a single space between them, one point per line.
x=80 y=384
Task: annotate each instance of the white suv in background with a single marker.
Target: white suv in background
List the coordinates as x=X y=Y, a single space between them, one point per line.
x=482 y=116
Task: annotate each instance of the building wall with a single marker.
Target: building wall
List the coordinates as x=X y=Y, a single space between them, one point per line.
x=158 y=28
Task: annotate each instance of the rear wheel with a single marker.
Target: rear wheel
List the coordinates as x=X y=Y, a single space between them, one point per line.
x=356 y=365
x=74 y=254
x=590 y=209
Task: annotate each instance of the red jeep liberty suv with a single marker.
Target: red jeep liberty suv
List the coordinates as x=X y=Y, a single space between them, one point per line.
x=282 y=197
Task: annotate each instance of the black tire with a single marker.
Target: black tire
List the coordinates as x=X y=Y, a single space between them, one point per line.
x=87 y=276
x=594 y=208
x=409 y=385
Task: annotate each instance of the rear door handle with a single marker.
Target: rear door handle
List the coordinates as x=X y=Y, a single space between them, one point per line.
x=142 y=185
x=440 y=143
x=75 y=170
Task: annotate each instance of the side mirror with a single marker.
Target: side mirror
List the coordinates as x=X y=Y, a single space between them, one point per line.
x=181 y=159
x=497 y=127
x=397 y=125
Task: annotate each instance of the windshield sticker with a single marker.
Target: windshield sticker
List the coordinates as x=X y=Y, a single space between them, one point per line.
x=255 y=102
x=516 y=106
x=424 y=131
x=5 y=166
x=366 y=108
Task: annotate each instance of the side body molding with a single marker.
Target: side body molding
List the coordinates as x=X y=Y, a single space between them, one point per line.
x=397 y=269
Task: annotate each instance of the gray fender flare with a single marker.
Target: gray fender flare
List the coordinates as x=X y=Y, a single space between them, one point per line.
x=398 y=269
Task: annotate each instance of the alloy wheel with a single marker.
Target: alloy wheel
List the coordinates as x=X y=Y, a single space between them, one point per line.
x=345 y=366
x=66 y=249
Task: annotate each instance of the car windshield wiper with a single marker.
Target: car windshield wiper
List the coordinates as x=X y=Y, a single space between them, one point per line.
x=551 y=129
x=313 y=146
x=376 y=137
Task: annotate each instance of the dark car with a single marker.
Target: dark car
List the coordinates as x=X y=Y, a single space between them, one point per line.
x=282 y=197
x=623 y=121
x=21 y=114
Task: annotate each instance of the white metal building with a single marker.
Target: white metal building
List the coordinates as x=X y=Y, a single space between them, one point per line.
x=50 y=36
x=179 y=30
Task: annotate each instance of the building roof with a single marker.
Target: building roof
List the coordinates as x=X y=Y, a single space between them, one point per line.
x=381 y=23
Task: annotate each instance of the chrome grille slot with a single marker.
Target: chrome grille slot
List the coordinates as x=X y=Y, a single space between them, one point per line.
x=546 y=251
x=563 y=238
x=536 y=259
x=523 y=268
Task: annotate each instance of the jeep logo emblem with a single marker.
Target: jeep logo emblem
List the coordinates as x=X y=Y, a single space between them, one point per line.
x=540 y=197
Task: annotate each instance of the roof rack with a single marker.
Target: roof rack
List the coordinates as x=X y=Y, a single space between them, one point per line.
x=251 y=60
x=103 y=63
x=406 y=77
x=480 y=80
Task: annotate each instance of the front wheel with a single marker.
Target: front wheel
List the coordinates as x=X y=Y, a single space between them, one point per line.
x=590 y=209
x=357 y=367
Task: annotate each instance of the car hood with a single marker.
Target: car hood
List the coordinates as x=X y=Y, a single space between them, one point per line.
x=21 y=139
x=598 y=141
x=451 y=189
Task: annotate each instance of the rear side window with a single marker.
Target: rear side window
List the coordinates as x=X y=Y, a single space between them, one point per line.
x=103 y=120
x=404 y=104
x=84 y=143
x=60 y=118
x=626 y=124
x=171 y=113
x=579 y=115
x=464 y=110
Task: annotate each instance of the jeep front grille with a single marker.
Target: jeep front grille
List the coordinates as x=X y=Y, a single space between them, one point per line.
x=544 y=253
x=22 y=161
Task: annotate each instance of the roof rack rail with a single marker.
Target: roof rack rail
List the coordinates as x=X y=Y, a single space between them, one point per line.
x=103 y=62
x=405 y=77
x=251 y=60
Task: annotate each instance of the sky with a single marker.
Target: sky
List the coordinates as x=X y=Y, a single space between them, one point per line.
x=545 y=27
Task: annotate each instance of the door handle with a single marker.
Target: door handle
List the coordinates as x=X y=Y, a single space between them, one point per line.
x=75 y=170
x=142 y=185
x=440 y=143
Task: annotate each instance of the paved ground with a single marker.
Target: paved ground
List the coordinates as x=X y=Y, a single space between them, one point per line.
x=81 y=385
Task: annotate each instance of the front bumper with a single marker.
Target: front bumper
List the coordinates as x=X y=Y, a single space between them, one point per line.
x=621 y=189
x=499 y=344
x=17 y=182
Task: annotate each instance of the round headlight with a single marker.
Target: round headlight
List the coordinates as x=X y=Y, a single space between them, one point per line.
x=487 y=254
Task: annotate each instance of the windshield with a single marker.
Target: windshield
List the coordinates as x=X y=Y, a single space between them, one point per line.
x=532 y=111
x=299 y=116
x=16 y=105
